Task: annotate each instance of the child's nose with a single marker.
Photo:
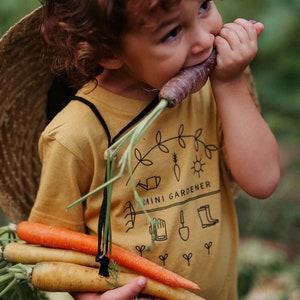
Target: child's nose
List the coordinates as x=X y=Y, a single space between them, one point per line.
x=202 y=40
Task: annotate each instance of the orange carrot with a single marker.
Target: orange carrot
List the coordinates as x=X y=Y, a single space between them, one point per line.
x=48 y=236
x=55 y=237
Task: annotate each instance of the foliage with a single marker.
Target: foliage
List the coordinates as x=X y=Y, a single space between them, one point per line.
x=11 y=11
x=277 y=72
x=277 y=66
x=265 y=264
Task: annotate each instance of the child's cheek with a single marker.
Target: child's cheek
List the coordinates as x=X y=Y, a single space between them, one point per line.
x=218 y=23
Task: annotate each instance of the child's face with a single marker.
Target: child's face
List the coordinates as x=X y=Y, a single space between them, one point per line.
x=181 y=37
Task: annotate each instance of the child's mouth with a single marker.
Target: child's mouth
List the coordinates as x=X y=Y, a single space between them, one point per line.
x=188 y=80
x=209 y=64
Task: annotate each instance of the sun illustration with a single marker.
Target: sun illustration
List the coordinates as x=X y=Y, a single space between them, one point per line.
x=198 y=166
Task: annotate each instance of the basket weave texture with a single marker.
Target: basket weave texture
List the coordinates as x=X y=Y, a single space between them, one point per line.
x=25 y=79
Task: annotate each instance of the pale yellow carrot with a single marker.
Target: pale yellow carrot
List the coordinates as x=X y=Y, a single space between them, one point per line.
x=31 y=254
x=69 y=277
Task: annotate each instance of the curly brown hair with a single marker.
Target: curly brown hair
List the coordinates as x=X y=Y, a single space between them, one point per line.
x=80 y=33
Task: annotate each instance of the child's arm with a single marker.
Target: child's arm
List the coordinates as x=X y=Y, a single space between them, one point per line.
x=251 y=148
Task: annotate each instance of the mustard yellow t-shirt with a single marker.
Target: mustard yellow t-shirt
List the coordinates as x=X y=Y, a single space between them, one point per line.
x=178 y=170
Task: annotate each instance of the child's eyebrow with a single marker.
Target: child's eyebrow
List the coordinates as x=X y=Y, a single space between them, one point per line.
x=162 y=25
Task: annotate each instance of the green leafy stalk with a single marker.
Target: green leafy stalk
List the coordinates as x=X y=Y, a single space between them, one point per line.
x=11 y=282
x=15 y=283
x=114 y=274
x=15 y=278
x=8 y=234
x=131 y=138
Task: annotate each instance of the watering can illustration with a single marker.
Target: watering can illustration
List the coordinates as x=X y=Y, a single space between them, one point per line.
x=151 y=183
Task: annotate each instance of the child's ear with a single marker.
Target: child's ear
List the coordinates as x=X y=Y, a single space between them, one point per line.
x=111 y=63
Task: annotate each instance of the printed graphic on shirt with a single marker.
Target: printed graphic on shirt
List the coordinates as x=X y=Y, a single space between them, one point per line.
x=158 y=230
x=170 y=160
x=150 y=183
x=162 y=145
x=205 y=216
x=140 y=249
x=183 y=230
x=208 y=246
x=163 y=258
x=187 y=257
x=176 y=167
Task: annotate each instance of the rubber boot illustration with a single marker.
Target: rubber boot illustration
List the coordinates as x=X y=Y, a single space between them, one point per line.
x=205 y=216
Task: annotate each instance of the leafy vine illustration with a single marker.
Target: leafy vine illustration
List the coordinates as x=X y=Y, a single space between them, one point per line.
x=161 y=144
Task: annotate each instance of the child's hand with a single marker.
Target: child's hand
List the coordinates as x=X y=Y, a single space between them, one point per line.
x=126 y=292
x=236 y=45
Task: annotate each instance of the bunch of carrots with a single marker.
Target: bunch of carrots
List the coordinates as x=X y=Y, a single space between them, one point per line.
x=59 y=260
x=12 y=286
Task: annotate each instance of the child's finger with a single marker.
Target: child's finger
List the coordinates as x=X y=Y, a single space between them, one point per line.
x=126 y=292
x=259 y=28
x=235 y=35
x=248 y=27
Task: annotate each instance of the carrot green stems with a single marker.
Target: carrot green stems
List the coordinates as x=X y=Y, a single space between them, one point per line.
x=8 y=234
x=130 y=139
x=15 y=283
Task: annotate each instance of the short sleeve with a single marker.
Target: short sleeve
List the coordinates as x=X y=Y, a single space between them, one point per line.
x=64 y=179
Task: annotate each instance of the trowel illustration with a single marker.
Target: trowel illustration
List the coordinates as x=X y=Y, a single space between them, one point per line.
x=184 y=231
x=151 y=183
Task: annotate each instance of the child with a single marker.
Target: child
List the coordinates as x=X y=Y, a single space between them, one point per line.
x=120 y=54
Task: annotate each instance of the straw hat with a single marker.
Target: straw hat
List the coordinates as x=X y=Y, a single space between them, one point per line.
x=25 y=79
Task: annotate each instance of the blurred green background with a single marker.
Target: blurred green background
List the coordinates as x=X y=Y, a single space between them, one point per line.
x=270 y=230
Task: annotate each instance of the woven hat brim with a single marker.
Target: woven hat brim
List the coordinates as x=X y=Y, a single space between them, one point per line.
x=25 y=79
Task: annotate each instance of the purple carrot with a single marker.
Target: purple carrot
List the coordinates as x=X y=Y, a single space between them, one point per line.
x=180 y=86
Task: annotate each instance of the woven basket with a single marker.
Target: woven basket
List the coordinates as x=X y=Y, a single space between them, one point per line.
x=25 y=79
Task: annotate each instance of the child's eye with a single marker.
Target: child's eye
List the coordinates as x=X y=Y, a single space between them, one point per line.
x=172 y=34
x=205 y=6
